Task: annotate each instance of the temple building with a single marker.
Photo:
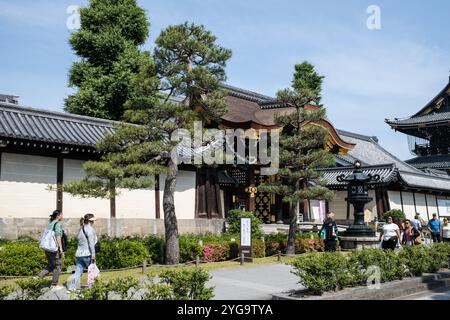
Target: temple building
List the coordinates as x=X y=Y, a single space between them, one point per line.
x=428 y=133
x=40 y=148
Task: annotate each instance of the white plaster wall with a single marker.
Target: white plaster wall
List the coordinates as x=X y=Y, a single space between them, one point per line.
x=408 y=205
x=443 y=206
x=395 y=201
x=421 y=205
x=314 y=206
x=184 y=194
x=75 y=207
x=432 y=207
x=137 y=204
x=24 y=180
x=339 y=206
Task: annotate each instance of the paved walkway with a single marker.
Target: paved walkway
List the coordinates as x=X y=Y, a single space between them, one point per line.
x=438 y=294
x=253 y=283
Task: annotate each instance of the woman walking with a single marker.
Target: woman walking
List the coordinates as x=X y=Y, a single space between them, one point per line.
x=410 y=234
x=390 y=235
x=445 y=231
x=54 y=258
x=85 y=253
x=331 y=230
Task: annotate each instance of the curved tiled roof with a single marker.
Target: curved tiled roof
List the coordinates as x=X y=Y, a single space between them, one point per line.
x=387 y=173
x=433 y=118
x=436 y=161
x=53 y=127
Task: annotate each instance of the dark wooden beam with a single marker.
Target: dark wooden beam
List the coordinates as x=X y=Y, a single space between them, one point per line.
x=59 y=183
x=112 y=202
x=157 y=197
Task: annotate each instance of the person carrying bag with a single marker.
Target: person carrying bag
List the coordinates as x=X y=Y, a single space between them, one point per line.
x=52 y=244
x=86 y=249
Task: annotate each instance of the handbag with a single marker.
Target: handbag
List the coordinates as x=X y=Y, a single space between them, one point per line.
x=96 y=246
x=48 y=240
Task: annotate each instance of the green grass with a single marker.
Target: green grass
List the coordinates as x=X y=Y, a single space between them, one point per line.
x=156 y=269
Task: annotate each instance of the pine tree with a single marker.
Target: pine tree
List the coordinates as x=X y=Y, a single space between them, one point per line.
x=108 y=44
x=187 y=62
x=302 y=147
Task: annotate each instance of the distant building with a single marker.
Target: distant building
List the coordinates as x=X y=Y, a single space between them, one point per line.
x=4 y=98
x=428 y=133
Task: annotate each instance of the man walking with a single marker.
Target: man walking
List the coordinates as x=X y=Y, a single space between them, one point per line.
x=435 y=227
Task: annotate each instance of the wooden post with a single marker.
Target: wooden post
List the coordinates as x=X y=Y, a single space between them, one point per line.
x=279 y=255
x=144 y=267
x=242 y=258
x=197 y=261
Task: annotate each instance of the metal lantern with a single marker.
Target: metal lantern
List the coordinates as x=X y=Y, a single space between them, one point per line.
x=358 y=196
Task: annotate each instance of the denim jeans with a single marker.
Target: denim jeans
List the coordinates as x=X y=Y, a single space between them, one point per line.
x=82 y=263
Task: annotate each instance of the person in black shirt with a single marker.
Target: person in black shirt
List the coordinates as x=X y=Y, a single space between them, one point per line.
x=330 y=231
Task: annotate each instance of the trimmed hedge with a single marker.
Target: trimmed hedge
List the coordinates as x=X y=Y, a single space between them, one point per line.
x=21 y=258
x=303 y=243
x=321 y=272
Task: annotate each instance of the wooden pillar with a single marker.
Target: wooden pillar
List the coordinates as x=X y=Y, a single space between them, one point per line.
x=59 y=183
x=251 y=200
x=306 y=203
x=112 y=201
x=157 y=198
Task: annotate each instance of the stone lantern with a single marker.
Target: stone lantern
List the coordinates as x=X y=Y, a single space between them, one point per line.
x=358 y=235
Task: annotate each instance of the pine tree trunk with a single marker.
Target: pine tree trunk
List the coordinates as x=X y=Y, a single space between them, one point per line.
x=292 y=228
x=170 y=219
x=292 y=223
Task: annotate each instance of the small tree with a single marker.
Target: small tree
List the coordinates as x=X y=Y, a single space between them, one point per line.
x=108 y=44
x=187 y=62
x=302 y=147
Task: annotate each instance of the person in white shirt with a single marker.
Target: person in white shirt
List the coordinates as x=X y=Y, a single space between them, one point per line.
x=445 y=231
x=390 y=234
x=416 y=223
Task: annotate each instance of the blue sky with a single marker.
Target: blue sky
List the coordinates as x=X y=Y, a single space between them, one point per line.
x=370 y=74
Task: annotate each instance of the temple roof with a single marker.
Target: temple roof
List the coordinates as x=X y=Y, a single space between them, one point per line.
x=433 y=113
x=432 y=119
x=377 y=160
x=441 y=161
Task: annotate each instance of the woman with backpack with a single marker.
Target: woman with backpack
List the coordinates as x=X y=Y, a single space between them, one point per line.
x=410 y=234
x=53 y=248
x=86 y=249
x=329 y=232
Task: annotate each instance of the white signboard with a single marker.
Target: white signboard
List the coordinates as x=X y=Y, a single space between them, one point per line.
x=444 y=207
x=246 y=232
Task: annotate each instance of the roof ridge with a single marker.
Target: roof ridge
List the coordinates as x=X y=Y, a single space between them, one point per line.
x=61 y=115
x=447 y=86
x=358 y=135
x=244 y=92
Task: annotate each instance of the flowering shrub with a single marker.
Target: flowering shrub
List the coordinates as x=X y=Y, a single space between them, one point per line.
x=216 y=252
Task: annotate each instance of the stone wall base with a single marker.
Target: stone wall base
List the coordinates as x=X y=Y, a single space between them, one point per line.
x=13 y=228
x=359 y=243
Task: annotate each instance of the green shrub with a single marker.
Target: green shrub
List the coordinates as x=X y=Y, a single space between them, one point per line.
x=122 y=286
x=234 y=222
x=259 y=249
x=31 y=289
x=5 y=291
x=21 y=259
x=99 y=290
x=190 y=248
x=321 y=272
x=188 y=284
x=390 y=264
x=156 y=246
x=395 y=214
x=214 y=252
x=121 y=253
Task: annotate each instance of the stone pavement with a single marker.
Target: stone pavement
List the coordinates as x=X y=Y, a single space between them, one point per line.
x=253 y=283
x=243 y=283
x=438 y=294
